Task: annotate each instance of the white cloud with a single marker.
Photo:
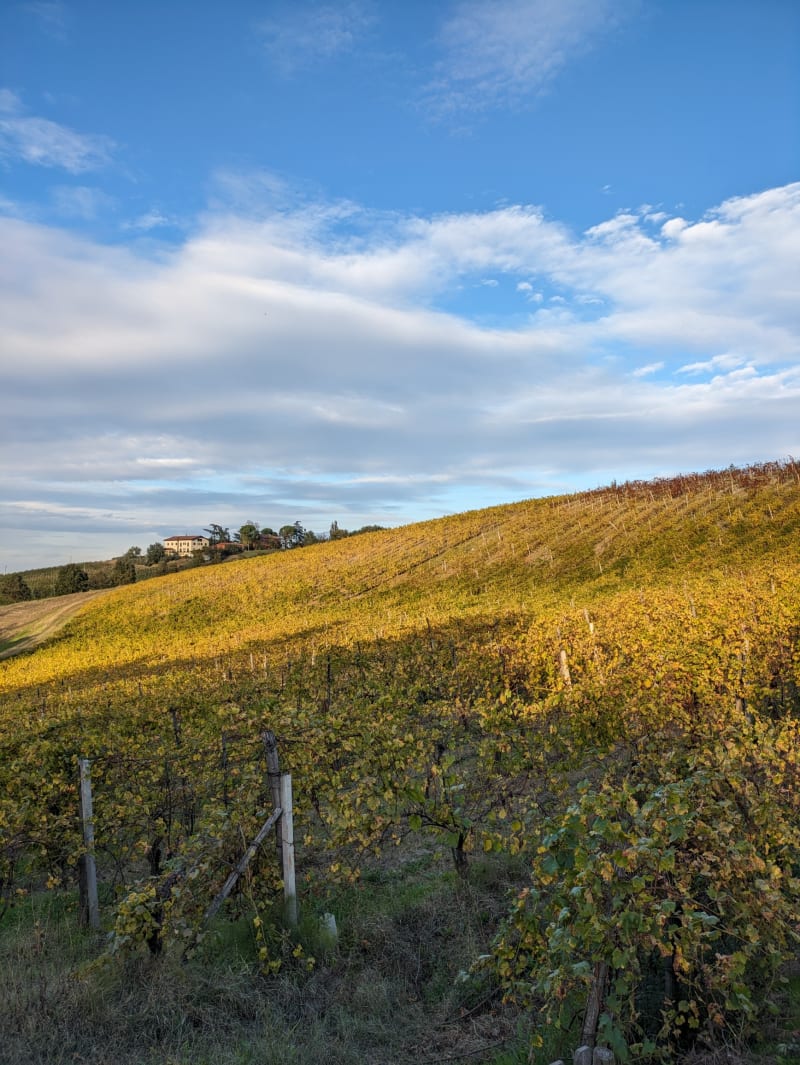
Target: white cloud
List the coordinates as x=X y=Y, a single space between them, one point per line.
x=176 y=463
x=509 y=50
x=528 y=291
x=153 y=219
x=300 y=355
x=651 y=368
x=304 y=34
x=40 y=142
x=725 y=363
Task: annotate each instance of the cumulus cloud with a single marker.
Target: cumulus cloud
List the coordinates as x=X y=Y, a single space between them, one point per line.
x=504 y=52
x=303 y=358
x=40 y=142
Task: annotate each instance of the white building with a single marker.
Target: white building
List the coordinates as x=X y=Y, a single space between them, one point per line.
x=185 y=545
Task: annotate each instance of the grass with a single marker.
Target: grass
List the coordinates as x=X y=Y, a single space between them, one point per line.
x=389 y=991
x=781 y=1042
x=9 y=645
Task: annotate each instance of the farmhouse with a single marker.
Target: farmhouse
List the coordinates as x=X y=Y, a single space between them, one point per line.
x=185 y=545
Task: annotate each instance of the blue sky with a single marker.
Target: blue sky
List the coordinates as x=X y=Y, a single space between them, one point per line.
x=376 y=262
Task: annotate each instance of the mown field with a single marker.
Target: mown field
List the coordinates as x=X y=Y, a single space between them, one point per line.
x=23 y=626
x=543 y=755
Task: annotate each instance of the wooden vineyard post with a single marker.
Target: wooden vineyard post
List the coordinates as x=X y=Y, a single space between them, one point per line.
x=89 y=908
x=563 y=668
x=289 y=888
x=594 y=1006
x=224 y=766
x=274 y=780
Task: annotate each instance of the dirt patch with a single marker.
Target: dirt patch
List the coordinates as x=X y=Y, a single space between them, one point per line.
x=25 y=625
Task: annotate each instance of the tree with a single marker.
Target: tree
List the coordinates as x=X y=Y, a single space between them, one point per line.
x=155 y=553
x=218 y=534
x=249 y=535
x=71 y=578
x=14 y=588
x=336 y=533
x=124 y=571
x=101 y=577
x=133 y=552
x=292 y=535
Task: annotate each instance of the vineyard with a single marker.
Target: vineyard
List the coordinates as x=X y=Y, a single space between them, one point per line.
x=600 y=691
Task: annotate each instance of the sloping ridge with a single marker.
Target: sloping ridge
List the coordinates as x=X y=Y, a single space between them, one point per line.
x=486 y=561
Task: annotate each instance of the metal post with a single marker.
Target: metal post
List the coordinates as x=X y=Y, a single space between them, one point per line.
x=289 y=889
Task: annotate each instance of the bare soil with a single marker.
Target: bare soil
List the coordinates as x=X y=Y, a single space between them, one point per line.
x=25 y=625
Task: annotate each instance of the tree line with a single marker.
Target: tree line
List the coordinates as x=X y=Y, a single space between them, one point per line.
x=73 y=577
x=135 y=563
x=251 y=537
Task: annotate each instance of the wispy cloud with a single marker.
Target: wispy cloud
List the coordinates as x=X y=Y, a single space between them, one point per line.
x=304 y=34
x=152 y=219
x=81 y=201
x=51 y=15
x=505 y=52
x=40 y=142
x=651 y=368
x=719 y=364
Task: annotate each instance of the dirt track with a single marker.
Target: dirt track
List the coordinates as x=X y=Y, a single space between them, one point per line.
x=24 y=625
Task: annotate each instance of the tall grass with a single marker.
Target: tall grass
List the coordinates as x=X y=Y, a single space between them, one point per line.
x=393 y=989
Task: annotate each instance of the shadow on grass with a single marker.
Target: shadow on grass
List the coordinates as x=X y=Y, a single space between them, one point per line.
x=387 y=991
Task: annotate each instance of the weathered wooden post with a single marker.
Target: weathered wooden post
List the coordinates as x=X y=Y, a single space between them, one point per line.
x=274 y=781
x=594 y=1006
x=224 y=766
x=242 y=864
x=89 y=908
x=563 y=668
x=289 y=888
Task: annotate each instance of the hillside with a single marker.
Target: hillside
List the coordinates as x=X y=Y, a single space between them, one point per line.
x=516 y=559
x=598 y=693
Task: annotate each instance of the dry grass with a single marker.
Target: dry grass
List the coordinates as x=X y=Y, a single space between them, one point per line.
x=24 y=626
x=387 y=995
